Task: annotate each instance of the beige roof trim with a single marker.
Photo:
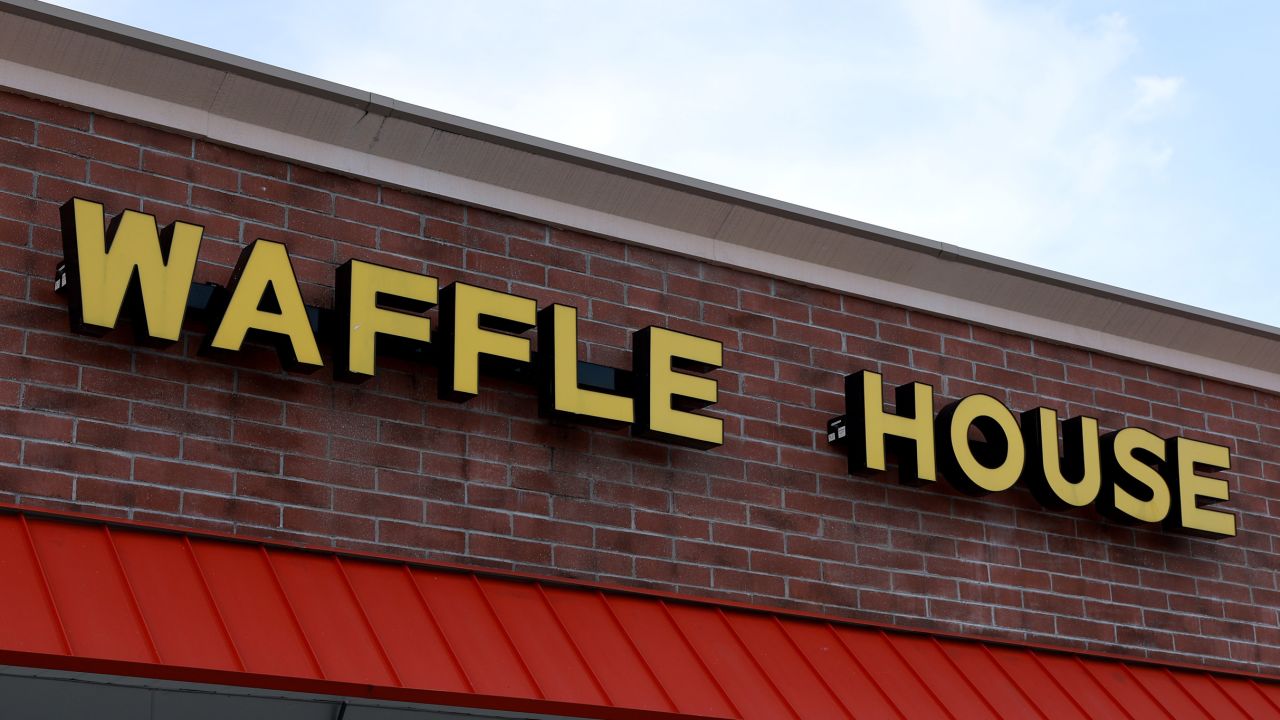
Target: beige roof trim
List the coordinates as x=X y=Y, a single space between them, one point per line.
x=81 y=60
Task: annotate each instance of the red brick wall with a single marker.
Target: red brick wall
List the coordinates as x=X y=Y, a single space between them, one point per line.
x=107 y=427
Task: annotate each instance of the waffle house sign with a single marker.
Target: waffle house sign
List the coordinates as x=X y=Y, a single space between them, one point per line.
x=130 y=266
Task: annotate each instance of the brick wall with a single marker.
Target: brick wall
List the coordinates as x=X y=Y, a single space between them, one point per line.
x=107 y=427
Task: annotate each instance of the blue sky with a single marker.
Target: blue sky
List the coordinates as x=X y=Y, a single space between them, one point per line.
x=1131 y=143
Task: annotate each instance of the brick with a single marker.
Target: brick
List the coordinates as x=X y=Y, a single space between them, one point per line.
x=239 y=407
x=89 y=146
x=378 y=215
x=783 y=565
x=506 y=268
x=238 y=206
x=135 y=134
x=432 y=253
x=182 y=475
x=595 y=563
x=915 y=584
x=328 y=524
x=181 y=421
x=522 y=551
x=187 y=372
x=1005 y=379
x=455 y=234
x=845 y=552
x=132 y=386
x=333 y=228
x=595 y=513
x=754 y=583
x=587 y=243
x=774 y=307
x=221 y=454
x=40 y=160
x=216 y=226
x=374 y=454
x=281 y=490
x=710 y=554
x=76 y=459
x=1087 y=629
x=429 y=539
x=663 y=523
x=229 y=508
x=27 y=209
x=928 y=341
x=662 y=302
x=634 y=543
x=188 y=171
x=56 y=191
x=287 y=389
x=332 y=183
x=625 y=273
x=961 y=569
x=39 y=483
x=285 y=193
x=749 y=537
x=811 y=296
x=44 y=111
x=21 y=183
x=562 y=533
x=35 y=425
x=129 y=495
x=560 y=484
x=665 y=571
x=114 y=437
x=704 y=291
x=345 y=474
x=508 y=499
x=76 y=404
x=533 y=456
x=278 y=438
x=300 y=245
x=505 y=224
x=20 y=129
x=240 y=160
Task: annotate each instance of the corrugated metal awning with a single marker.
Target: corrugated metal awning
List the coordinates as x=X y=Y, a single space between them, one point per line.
x=86 y=594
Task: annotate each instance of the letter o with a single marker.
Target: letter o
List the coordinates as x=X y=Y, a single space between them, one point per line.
x=993 y=466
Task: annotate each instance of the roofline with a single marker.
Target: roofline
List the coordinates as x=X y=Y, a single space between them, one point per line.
x=544 y=180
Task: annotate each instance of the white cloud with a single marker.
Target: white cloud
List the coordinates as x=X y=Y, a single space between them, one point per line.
x=1155 y=94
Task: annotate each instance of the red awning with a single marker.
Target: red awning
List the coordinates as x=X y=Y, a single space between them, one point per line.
x=86 y=594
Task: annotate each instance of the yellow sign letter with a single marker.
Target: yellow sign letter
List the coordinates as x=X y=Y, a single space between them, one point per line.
x=993 y=465
x=665 y=396
x=874 y=433
x=378 y=306
x=1126 y=473
x=1072 y=480
x=475 y=322
x=560 y=395
x=1193 y=491
x=265 y=299
x=102 y=266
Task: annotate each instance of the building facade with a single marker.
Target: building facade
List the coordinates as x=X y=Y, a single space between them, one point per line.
x=233 y=447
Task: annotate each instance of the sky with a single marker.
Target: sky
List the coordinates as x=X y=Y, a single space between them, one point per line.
x=1132 y=143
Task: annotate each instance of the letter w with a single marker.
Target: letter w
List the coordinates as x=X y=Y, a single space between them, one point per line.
x=131 y=262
